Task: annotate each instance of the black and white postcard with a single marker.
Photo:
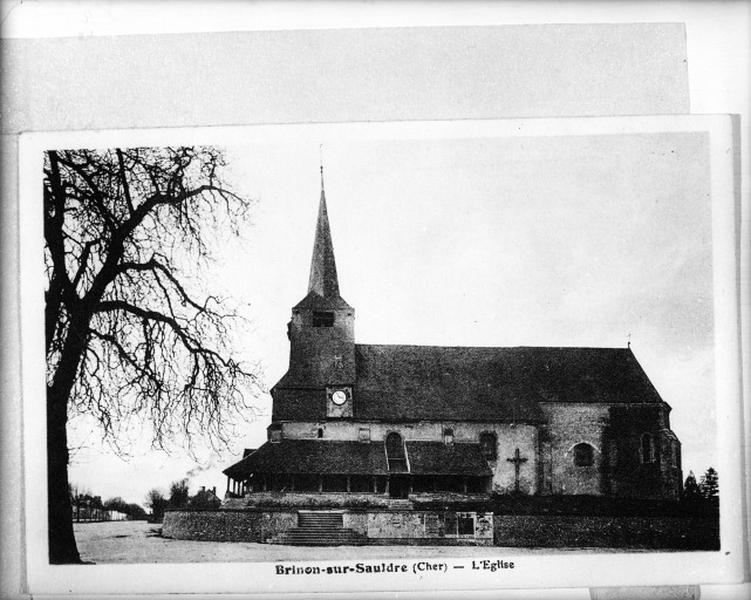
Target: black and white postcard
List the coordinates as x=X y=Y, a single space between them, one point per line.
x=395 y=356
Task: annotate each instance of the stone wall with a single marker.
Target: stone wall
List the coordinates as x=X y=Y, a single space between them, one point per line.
x=226 y=525
x=385 y=527
x=570 y=424
x=430 y=527
x=421 y=527
x=687 y=533
x=630 y=473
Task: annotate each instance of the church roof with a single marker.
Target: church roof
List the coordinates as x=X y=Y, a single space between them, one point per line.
x=313 y=456
x=335 y=457
x=412 y=383
x=438 y=458
x=323 y=284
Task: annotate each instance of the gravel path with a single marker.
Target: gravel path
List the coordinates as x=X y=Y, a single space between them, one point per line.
x=141 y=542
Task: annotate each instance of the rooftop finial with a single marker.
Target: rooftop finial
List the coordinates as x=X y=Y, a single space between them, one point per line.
x=320 y=158
x=628 y=343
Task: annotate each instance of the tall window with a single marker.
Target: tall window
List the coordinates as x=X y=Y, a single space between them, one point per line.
x=647 y=449
x=584 y=455
x=488 y=445
x=394 y=445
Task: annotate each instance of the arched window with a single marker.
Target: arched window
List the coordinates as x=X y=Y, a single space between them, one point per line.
x=584 y=455
x=488 y=445
x=647 y=449
x=394 y=445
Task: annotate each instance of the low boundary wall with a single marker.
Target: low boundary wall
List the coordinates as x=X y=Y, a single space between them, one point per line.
x=226 y=525
x=417 y=527
x=674 y=533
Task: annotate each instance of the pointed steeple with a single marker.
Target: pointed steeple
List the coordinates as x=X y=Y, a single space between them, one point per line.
x=323 y=284
x=323 y=280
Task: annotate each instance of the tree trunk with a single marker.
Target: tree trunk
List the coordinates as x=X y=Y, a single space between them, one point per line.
x=62 y=543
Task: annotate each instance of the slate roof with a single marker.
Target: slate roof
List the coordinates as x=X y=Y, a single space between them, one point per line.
x=313 y=456
x=359 y=458
x=437 y=458
x=315 y=301
x=412 y=383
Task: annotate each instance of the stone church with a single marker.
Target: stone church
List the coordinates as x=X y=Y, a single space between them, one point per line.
x=400 y=422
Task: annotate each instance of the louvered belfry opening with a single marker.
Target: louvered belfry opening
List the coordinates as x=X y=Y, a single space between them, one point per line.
x=395 y=453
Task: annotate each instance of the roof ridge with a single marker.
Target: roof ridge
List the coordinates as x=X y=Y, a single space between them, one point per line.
x=493 y=347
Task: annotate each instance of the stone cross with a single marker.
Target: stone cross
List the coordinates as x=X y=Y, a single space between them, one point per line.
x=517 y=460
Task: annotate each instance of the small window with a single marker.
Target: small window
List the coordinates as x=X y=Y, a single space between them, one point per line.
x=583 y=455
x=320 y=432
x=647 y=449
x=466 y=525
x=323 y=319
x=364 y=435
x=488 y=445
x=450 y=524
x=448 y=435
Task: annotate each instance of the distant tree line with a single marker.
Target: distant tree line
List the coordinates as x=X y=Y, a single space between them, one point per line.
x=179 y=497
x=87 y=507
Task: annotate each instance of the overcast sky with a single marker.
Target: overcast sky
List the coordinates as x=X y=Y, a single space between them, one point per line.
x=554 y=241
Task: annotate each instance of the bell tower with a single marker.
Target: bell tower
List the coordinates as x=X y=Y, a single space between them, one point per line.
x=322 y=328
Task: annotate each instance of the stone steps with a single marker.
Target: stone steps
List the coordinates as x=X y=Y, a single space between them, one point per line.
x=319 y=529
x=322 y=519
x=318 y=536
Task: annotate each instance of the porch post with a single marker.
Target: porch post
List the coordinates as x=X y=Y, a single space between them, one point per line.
x=320 y=483
x=349 y=484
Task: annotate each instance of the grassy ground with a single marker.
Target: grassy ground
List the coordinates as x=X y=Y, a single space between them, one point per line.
x=141 y=542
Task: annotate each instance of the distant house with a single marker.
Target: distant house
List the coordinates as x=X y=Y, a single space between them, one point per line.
x=205 y=499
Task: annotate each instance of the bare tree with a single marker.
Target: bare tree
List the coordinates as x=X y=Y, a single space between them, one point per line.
x=125 y=336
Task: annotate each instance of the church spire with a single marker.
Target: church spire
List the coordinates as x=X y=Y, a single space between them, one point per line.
x=323 y=279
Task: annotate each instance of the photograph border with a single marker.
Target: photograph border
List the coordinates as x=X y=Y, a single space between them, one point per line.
x=649 y=568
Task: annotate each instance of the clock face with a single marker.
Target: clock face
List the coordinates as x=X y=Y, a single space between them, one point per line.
x=339 y=397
